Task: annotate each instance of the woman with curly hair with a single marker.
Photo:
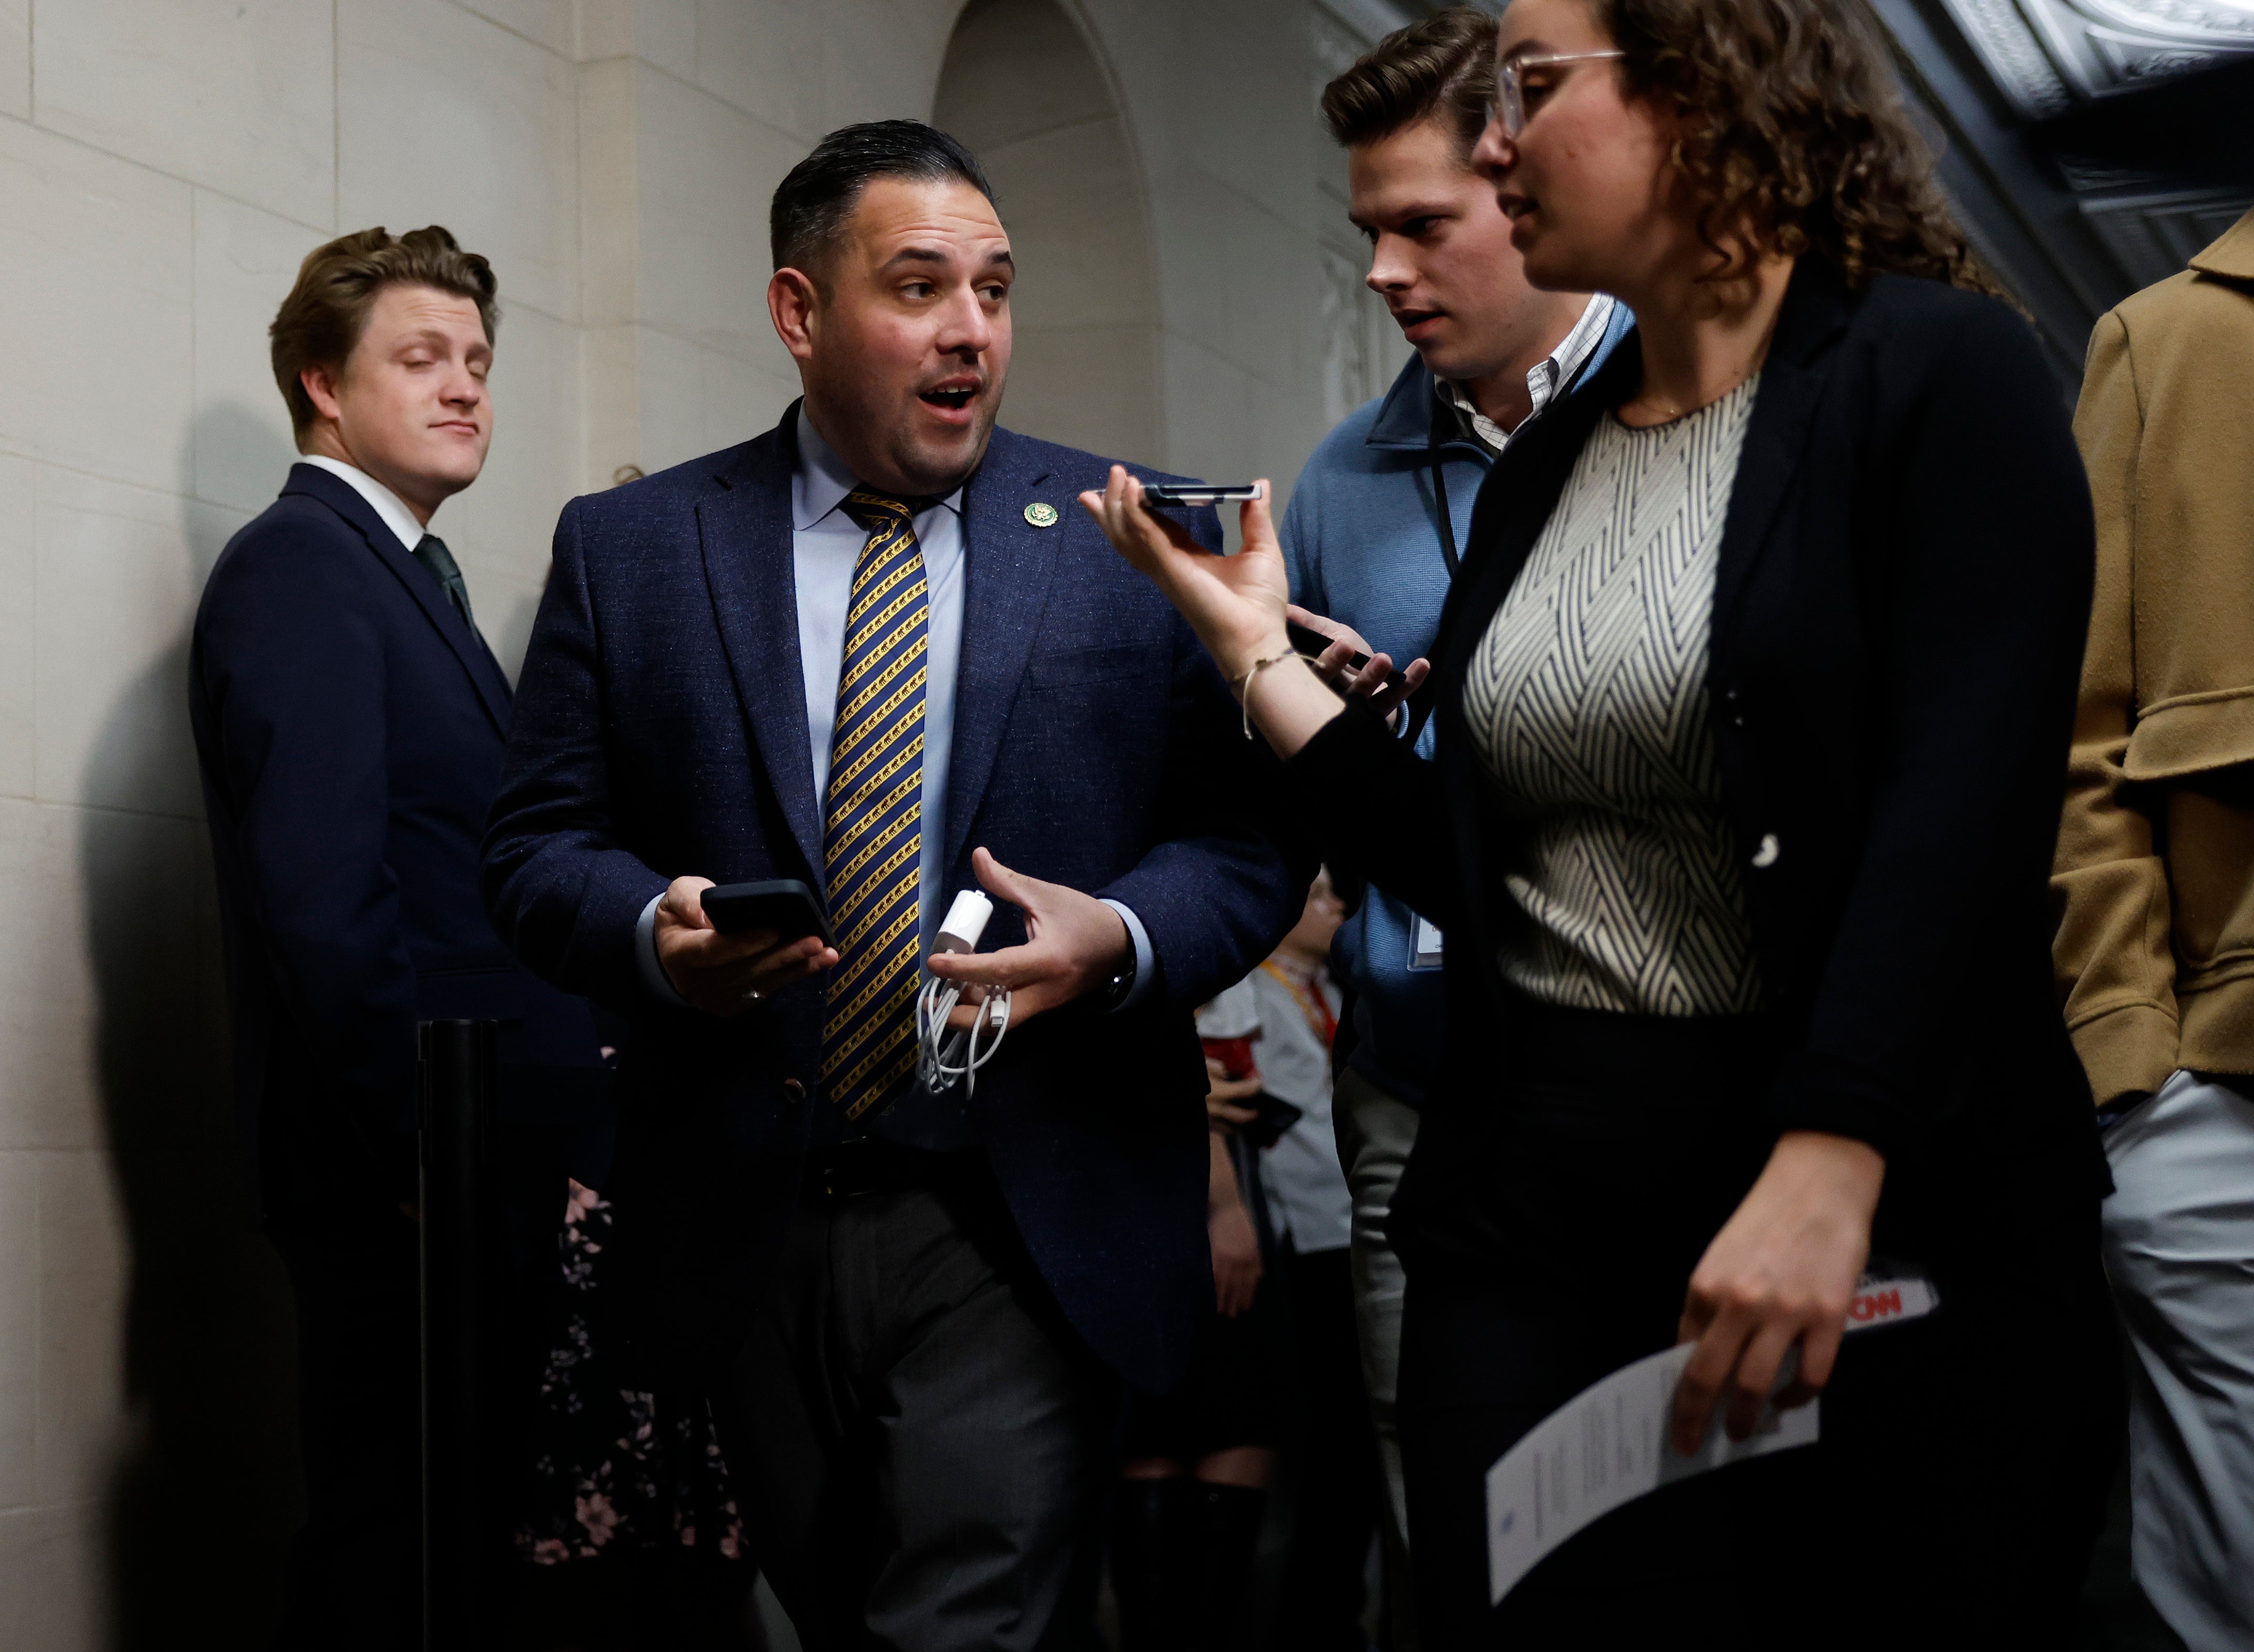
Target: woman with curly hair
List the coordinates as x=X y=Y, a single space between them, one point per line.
x=1754 y=695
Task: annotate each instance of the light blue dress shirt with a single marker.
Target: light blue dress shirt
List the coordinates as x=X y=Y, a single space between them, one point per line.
x=825 y=542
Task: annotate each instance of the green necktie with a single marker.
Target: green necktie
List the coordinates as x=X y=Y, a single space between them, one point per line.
x=439 y=563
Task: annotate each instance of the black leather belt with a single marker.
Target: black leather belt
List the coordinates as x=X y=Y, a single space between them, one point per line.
x=870 y=1165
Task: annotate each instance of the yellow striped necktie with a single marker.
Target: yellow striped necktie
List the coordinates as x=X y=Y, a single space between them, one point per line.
x=872 y=834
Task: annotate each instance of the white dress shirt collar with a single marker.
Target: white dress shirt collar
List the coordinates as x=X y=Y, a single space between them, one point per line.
x=1544 y=379
x=820 y=480
x=381 y=500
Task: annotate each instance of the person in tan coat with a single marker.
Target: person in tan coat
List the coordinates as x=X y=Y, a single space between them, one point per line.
x=2155 y=888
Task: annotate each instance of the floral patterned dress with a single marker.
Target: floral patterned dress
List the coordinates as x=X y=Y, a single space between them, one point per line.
x=616 y=1467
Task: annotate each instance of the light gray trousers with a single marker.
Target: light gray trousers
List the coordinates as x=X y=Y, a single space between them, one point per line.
x=1374 y=1134
x=2179 y=1251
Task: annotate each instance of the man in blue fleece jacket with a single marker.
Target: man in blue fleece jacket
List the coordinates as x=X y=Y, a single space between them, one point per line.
x=1375 y=523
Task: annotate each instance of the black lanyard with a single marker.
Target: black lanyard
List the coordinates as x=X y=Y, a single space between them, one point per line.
x=1440 y=489
x=1420 y=703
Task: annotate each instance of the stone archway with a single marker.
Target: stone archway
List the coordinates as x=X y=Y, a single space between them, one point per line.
x=1021 y=86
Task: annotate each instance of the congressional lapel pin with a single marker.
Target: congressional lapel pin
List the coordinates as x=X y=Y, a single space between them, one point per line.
x=1041 y=513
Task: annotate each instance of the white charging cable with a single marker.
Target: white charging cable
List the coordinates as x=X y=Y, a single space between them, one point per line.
x=943 y=1055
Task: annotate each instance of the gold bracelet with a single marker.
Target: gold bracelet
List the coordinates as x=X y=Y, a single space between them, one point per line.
x=1243 y=682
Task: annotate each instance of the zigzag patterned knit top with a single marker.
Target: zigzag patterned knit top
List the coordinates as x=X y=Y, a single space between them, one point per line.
x=1588 y=700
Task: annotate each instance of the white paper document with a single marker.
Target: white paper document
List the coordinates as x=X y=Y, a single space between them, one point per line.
x=1605 y=1447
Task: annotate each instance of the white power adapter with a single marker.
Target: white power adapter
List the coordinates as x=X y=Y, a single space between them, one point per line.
x=943 y=1055
x=965 y=922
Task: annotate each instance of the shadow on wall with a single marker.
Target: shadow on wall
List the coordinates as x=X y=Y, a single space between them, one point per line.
x=205 y=1494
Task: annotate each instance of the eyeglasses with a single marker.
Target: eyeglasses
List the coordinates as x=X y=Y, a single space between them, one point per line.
x=1510 y=82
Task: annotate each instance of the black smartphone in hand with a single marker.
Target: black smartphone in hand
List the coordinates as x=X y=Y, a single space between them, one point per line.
x=1198 y=492
x=1272 y=1116
x=783 y=905
x=1307 y=639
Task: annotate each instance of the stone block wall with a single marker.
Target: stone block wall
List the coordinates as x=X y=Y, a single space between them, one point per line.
x=164 y=166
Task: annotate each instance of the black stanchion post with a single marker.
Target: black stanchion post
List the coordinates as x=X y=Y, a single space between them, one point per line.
x=457 y=1077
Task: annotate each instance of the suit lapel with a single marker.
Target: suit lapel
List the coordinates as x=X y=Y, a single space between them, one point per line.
x=745 y=536
x=1007 y=564
x=1521 y=488
x=1776 y=435
x=468 y=647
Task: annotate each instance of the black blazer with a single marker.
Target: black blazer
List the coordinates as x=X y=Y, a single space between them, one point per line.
x=1903 y=591
x=349 y=726
x=661 y=730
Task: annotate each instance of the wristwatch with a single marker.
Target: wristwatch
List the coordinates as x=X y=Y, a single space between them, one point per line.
x=1116 y=990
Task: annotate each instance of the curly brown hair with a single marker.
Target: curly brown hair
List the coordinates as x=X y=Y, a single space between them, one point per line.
x=1794 y=130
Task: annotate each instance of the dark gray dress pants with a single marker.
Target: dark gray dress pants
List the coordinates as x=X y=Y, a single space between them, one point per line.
x=920 y=1443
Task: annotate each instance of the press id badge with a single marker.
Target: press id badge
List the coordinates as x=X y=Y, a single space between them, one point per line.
x=1890 y=1293
x=1424 y=944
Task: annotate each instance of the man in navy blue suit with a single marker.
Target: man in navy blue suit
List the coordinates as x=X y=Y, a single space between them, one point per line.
x=878 y=650
x=349 y=722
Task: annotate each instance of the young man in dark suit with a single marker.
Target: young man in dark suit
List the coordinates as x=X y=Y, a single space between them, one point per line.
x=349 y=722
x=875 y=650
